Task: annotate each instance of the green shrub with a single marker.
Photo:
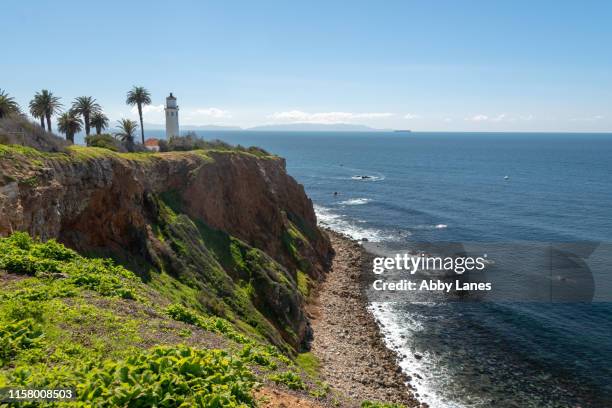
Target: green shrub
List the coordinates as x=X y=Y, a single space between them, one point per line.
x=23 y=255
x=289 y=378
x=19 y=240
x=105 y=141
x=209 y=323
x=320 y=390
x=18 y=336
x=41 y=290
x=26 y=264
x=102 y=276
x=191 y=141
x=53 y=250
x=182 y=314
x=22 y=309
x=258 y=356
x=162 y=377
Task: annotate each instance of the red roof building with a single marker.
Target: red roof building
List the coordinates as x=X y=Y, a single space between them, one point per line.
x=152 y=144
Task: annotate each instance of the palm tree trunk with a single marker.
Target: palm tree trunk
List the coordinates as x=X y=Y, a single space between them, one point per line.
x=42 y=122
x=98 y=130
x=130 y=144
x=48 y=122
x=70 y=137
x=141 y=127
x=86 y=120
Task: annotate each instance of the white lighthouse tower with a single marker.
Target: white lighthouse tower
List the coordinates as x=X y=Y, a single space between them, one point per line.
x=172 y=126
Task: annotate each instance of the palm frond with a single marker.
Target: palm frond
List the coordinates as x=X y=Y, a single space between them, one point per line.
x=69 y=123
x=85 y=105
x=45 y=103
x=99 y=119
x=138 y=95
x=127 y=129
x=8 y=105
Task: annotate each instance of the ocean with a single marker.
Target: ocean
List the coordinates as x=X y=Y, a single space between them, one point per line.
x=473 y=187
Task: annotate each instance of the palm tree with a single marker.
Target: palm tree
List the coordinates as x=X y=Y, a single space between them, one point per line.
x=139 y=96
x=69 y=123
x=86 y=106
x=99 y=121
x=127 y=128
x=8 y=106
x=44 y=105
x=37 y=112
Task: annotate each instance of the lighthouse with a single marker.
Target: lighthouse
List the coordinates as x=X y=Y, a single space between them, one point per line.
x=172 y=126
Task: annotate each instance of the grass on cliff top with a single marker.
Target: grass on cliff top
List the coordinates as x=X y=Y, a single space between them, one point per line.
x=76 y=153
x=18 y=130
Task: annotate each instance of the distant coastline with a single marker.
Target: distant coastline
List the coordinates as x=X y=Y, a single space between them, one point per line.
x=287 y=127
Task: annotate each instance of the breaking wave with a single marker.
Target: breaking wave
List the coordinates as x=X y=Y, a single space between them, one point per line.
x=347 y=226
x=355 y=201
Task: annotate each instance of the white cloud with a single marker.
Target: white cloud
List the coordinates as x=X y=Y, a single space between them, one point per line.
x=325 y=117
x=411 y=116
x=157 y=111
x=149 y=109
x=588 y=119
x=502 y=117
x=212 y=112
x=478 y=118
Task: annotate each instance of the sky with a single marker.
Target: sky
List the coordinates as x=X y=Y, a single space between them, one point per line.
x=421 y=65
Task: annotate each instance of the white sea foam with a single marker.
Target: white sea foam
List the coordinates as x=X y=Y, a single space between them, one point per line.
x=430 y=227
x=355 y=201
x=395 y=334
x=368 y=178
x=344 y=225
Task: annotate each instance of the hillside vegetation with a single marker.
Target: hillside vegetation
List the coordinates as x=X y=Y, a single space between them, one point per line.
x=89 y=324
x=18 y=130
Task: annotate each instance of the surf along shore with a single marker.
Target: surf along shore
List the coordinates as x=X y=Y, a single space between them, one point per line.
x=347 y=340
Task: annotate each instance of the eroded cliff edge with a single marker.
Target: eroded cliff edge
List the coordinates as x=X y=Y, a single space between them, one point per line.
x=229 y=232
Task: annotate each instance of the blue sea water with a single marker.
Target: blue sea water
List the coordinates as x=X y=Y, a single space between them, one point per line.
x=452 y=187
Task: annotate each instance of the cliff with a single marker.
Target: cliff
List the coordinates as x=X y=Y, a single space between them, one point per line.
x=228 y=232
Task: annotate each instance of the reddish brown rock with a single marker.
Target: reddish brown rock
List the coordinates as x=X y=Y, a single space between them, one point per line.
x=98 y=202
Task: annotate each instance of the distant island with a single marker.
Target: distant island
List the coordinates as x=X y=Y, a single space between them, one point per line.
x=158 y=126
x=213 y=127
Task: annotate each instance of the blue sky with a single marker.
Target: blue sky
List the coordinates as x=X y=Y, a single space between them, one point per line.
x=426 y=65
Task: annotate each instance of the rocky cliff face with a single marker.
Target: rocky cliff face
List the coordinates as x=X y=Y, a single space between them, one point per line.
x=233 y=225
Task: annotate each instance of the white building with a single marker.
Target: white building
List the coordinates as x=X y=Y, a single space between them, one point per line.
x=172 y=125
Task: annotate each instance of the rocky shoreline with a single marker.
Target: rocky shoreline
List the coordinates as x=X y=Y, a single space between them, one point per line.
x=347 y=341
